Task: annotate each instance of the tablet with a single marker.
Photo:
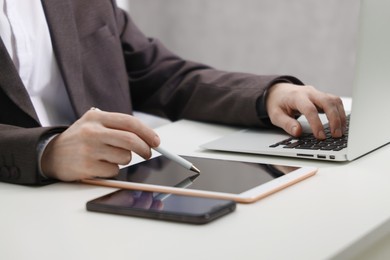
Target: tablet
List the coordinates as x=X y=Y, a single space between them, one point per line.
x=243 y=182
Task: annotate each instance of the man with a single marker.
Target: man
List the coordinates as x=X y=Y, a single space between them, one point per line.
x=59 y=58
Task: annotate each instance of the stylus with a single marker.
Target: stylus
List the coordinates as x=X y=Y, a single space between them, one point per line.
x=176 y=158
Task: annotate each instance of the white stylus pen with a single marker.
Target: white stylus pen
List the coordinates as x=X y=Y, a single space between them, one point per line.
x=176 y=158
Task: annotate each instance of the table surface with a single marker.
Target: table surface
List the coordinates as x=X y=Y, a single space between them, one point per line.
x=339 y=213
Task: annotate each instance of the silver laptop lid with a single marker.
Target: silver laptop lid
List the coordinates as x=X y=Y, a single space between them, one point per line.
x=370 y=119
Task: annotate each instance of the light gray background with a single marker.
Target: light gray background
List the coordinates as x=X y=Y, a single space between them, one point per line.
x=311 y=39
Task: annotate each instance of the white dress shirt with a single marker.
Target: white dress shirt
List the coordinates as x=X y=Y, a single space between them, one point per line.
x=25 y=33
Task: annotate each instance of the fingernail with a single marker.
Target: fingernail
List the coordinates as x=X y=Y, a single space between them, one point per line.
x=321 y=134
x=294 y=130
x=156 y=141
x=338 y=132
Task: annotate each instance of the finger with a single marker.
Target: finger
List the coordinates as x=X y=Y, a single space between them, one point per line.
x=334 y=110
x=127 y=123
x=120 y=143
x=99 y=138
x=286 y=122
x=343 y=116
x=101 y=169
x=128 y=141
x=113 y=154
x=309 y=110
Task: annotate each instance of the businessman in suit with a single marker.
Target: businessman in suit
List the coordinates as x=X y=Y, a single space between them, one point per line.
x=60 y=58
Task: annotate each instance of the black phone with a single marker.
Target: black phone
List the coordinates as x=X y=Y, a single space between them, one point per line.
x=163 y=206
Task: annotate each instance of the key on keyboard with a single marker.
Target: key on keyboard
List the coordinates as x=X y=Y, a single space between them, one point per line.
x=308 y=141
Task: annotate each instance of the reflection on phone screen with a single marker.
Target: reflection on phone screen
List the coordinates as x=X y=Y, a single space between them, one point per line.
x=144 y=200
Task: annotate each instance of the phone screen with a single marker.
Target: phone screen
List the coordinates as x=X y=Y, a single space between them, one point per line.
x=163 y=206
x=216 y=175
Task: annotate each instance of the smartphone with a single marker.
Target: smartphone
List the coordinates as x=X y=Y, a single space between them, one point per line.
x=162 y=206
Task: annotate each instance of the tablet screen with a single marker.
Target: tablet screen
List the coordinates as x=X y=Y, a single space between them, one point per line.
x=216 y=175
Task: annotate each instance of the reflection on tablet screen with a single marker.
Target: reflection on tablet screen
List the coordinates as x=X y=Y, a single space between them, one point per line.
x=216 y=175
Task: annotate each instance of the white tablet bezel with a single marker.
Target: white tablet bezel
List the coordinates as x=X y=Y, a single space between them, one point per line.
x=248 y=196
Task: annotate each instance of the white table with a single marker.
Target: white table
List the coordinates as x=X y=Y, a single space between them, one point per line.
x=342 y=212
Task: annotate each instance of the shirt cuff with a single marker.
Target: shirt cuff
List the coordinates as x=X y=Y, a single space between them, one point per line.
x=41 y=149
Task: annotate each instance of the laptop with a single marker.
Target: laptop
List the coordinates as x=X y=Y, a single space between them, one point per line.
x=369 y=120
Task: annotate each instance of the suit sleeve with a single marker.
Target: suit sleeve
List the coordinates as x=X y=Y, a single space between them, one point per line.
x=18 y=154
x=164 y=84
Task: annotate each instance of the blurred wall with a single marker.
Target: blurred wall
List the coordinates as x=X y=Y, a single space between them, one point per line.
x=125 y=4
x=311 y=39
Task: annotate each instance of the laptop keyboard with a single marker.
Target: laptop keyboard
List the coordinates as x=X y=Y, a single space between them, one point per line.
x=309 y=142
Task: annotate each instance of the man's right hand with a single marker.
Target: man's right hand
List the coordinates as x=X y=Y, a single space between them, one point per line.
x=95 y=145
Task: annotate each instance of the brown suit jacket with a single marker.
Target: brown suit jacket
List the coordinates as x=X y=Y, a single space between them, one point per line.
x=107 y=62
